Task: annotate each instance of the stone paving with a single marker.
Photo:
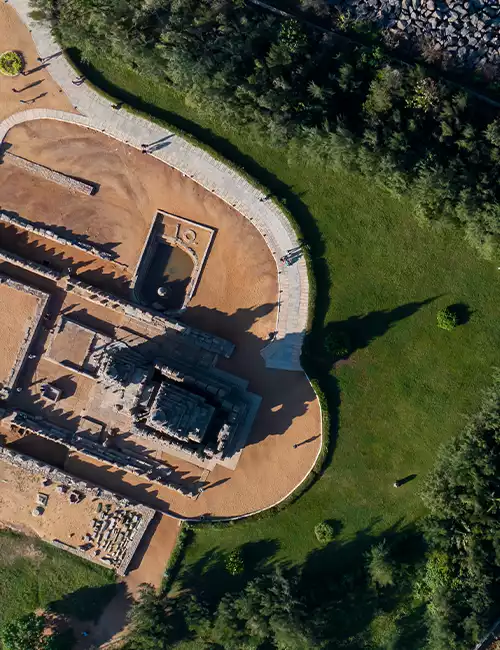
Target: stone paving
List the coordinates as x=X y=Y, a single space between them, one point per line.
x=97 y=113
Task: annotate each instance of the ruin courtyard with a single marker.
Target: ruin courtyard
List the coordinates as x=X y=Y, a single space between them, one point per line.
x=137 y=313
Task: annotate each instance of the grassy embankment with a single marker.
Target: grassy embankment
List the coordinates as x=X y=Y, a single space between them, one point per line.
x=34 y=575
x=406 y=389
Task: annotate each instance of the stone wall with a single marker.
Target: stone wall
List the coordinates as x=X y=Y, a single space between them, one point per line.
x=151 y=317
x=42 y=299
x=164 y=444
x=143 y=467
x=28 y=265
x=74 y=242
x=37 y=467
x=68 y=182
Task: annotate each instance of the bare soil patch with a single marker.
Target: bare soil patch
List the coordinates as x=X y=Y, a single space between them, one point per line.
x=13 y=548
x=17 y=316
x=61 y=520
x=16 y=37
x=236 y=298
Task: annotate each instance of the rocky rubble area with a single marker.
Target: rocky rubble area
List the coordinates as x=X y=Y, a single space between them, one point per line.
x=458 y=32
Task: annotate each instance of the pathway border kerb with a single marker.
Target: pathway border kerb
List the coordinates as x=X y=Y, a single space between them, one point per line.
x=283 y=352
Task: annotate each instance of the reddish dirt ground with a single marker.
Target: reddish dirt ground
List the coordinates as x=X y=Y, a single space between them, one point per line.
x=16 y=37
x=18 y=310
x=148 y=566
x=236 y=297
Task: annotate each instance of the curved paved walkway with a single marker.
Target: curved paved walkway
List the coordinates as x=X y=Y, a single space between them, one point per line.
x=96 y=113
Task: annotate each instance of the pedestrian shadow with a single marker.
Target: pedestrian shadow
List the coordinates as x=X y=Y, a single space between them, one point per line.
x=403 y=481
x=26 y=73
x=305 y=442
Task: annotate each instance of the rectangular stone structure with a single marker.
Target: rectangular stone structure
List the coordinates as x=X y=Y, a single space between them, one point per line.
x=111 y=532
x=21 y=308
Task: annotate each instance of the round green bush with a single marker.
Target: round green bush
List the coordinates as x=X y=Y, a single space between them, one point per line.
x=11 y=64
x=324 y=532
x=234 y=562
x=447 y=319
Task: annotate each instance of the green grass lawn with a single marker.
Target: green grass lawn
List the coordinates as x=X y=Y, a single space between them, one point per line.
x=409 y=388
x=35 y=575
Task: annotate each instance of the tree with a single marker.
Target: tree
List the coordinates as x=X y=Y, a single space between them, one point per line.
x=151 y=627
x=380 y=566
x=324 y=532
x=267 y=613
x=235 y=563
x=25 y=633
x=280 y=76
x=447 y=319
x=461 y=581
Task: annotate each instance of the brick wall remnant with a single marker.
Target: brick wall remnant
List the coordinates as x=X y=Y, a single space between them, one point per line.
x=47 y=233
x=68 y=182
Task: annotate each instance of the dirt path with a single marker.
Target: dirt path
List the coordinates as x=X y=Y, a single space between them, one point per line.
x=148 y=566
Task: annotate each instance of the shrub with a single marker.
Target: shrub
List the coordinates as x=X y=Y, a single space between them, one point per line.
x=234 y=562
x=338 y=344
x=324 y=532
x=11 y=64
x=447 y=319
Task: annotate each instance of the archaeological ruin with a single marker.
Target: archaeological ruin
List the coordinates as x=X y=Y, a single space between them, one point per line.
x=110 y=376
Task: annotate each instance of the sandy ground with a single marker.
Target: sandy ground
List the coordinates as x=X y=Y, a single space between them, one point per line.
x=16 y=37
x=150 y=561
x=71 y=344
x=106 y=274
x=61 y=520
x=118 y=216
x=236 y=296
x=17 y=315
x=147 y=566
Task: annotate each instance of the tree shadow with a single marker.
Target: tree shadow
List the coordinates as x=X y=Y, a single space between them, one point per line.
x=361 y=330
x=337 y=597
x=337 y=588
x=86 y=604
x=209 y=577
x=406 y=479
x=462 y=312
x=336 y=526
x=318 y=362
